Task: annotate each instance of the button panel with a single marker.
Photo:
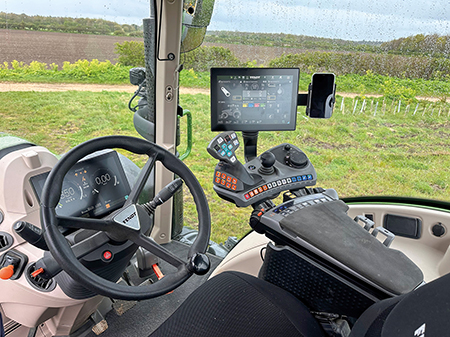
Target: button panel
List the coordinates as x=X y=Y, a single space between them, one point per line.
x=224 y=146
x=227 y=181
x=284 y=184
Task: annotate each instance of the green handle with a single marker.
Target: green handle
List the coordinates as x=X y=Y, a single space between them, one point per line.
x=188 y=114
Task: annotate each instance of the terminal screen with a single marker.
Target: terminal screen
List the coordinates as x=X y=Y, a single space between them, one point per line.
x=253 y=99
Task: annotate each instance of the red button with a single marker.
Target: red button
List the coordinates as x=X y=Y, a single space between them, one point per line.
x=107 y=255
x=247 y=196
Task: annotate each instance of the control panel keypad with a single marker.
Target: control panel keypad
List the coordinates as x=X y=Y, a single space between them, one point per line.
x=284 y=183
x=227 y=181
x=224 y=146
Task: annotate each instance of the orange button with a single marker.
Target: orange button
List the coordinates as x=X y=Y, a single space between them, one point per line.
x=222 y=182
x=255 y=191
x=233 y=187
x=229 y=179
x=224 y=176
x=228 y=185
x=218 y=174
x=265 y=187
x=7 y=272
x=234 y=181
x=217 y=180
x=260 y=189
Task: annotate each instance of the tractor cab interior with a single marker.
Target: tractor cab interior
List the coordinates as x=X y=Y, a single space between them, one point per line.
x=93 y=244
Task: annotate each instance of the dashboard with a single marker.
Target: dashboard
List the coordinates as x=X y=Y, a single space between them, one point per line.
x=92 y=188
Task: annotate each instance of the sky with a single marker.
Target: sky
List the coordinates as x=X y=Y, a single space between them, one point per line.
x=369 y=20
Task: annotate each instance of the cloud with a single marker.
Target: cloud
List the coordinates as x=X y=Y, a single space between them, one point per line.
x=346 y=19
x=113 y=10
x=352 y=20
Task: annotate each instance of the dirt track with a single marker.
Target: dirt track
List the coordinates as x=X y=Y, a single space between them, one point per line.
x=41 y=87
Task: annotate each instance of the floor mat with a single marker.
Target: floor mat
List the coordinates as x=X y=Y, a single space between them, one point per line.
x=143 y=318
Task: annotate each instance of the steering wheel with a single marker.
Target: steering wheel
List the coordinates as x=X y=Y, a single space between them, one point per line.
x=131 y=222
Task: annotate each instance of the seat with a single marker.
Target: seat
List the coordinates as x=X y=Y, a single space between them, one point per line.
x=237 y=304
x=424 y=312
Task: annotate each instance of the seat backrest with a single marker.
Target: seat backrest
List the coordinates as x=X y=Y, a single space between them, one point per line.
x=424 y=312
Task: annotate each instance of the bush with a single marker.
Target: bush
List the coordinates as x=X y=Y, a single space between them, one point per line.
x=131 y=53
x=413 y=67
x=81 y=71
x=204 y=58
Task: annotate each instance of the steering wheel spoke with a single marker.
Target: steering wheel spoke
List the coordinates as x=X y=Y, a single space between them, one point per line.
x=141 y=180
x=83 y=223
x=150 y=245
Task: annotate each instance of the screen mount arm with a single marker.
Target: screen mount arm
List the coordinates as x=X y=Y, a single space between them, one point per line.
x=250 y=144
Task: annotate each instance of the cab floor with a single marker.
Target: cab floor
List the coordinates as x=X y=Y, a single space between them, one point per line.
x=144 y=317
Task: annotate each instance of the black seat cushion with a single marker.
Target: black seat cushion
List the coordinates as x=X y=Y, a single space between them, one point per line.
x=237 y=304
x=421 y=313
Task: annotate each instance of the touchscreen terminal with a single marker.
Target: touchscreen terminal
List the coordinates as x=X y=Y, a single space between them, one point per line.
x=254 y=99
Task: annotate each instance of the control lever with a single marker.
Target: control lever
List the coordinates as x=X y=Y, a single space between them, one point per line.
x=165 y=194
x=224 y=146
x=229 y=172
x=31 y=234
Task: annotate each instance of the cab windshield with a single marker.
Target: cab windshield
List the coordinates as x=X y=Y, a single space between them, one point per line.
x=389 y=134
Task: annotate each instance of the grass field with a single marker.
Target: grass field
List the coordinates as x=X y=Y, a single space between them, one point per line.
x=357 y=152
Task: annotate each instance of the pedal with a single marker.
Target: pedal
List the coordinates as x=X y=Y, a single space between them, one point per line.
x=100 y=327
x=121 y=306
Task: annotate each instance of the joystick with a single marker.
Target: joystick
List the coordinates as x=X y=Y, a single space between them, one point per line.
x=267 y=162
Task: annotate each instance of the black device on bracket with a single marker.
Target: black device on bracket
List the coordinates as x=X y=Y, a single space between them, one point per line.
x=321 y=95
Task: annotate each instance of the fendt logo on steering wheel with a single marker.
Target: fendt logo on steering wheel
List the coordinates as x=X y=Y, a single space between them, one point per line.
x=128 y=217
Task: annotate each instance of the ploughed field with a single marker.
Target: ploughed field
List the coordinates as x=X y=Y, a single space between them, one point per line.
x=49 y=47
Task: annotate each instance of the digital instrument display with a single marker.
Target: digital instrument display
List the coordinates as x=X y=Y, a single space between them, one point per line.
x=92 y=188
x=253 y=99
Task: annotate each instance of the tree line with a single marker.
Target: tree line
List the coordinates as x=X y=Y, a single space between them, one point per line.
x=67 y=25
x=433 y=45
x=427 y=45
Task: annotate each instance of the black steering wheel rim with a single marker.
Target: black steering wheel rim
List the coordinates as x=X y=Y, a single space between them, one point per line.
x=61 y=250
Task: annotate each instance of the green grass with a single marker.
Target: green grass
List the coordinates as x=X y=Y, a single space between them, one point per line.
x=97 y=72
x=361 y=153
